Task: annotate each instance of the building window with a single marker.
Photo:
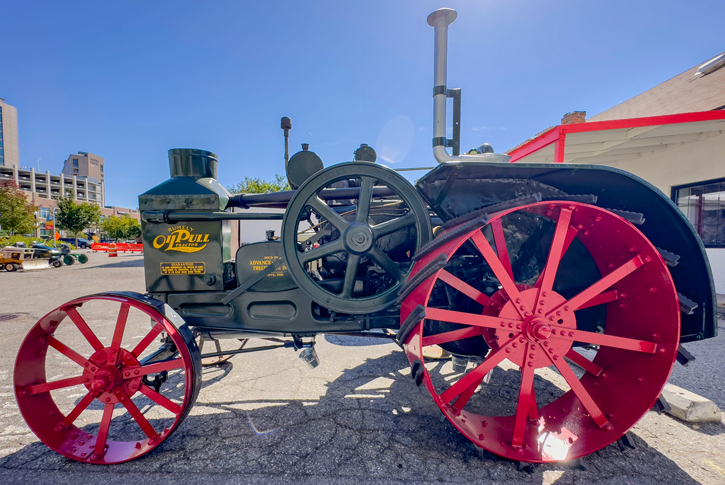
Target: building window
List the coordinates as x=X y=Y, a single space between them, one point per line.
x=44 y=212
x=75 y=163
x=704 y=205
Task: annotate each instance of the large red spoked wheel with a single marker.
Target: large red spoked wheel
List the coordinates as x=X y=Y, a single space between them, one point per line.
x=87 y=384
x=600 y=284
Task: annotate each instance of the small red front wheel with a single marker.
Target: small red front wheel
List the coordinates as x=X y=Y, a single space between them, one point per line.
x=91 y=387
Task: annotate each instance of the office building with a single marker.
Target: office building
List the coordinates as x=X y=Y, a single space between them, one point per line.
x=9 y=153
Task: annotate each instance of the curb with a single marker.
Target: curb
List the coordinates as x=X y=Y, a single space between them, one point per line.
x=688 y=406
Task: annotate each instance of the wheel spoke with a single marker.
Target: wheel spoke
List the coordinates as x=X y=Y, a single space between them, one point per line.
x=570 y=235
x=578 y=389
x=605 y=340
x=324 y=250
x=533 y=408
x=80 y=407
x=160 y=400
x=52 y=386
x=326 y=212
x=506 y=281
x=393 y=225
x=105 y=426
x=136 y=414
x=492 y=360
x=615 y=276
x=146 y=341
x=350 y=275
x=441 y=338
x=525 y=397
x=468 y=318
x=118 y=333
x=556 y=252
x=463 y=287
x=386 y=263
x=499 y=239
x=158 y=367
x=468 y=393
x=72 y=312
x=583 y=362
x=67 y=351
x=600 y=299
x=364 y=199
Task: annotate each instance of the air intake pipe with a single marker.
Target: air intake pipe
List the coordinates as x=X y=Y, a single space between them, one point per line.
x=439 y=20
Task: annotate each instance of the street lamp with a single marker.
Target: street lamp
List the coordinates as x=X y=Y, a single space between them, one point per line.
x=36 y=233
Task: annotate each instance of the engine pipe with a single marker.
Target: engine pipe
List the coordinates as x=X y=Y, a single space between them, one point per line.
x=439 y=20
x=282 y=198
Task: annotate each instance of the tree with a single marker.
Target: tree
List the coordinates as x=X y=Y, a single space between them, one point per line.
x=74 y=217
x=124 y=227
x=16 y=213
x=258 y=186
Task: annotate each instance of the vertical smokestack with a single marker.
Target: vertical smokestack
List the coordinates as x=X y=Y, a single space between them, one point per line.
x=439 y=20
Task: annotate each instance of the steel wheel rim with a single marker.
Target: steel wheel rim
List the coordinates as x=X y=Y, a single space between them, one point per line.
x=524 y=436
x=111 y=388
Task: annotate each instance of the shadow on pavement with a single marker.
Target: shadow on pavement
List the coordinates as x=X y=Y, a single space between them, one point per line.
x=372 y=423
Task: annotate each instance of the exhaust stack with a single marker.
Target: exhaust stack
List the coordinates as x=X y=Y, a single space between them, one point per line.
x=439 y=20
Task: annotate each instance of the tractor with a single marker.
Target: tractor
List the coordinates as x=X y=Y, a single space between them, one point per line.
x=585 y=273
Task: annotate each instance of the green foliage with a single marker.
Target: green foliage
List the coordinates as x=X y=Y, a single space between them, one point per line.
x=258 y=186
x=125 y=227
x=29 y=241
x=74 y=218
x=16 y=213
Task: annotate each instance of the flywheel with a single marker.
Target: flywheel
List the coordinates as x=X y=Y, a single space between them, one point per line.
x=349 y=234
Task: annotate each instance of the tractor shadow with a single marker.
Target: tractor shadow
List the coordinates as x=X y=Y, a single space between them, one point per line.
x=129 y=263
x=369 y=422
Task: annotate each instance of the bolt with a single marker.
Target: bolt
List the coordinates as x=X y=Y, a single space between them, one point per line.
x=522 y=340
x=558 y=314
x=546 y=344
x=518 y=326
x=531 y=356
x=74 y=435
x=530 y=364
x=542 y=302
x=640 y=379
x=611 y=265
x=571 y=334
x=93 y=369
x=566 y=308
x=555 y=357
x=136 y=372
x=533 y=346
x=108 y=399
x=655 y=336
x=481 y=437
x=540 y=311
x=518 y=300
x=514 y=345
x=551 y=351
x=622 y=305
x=511 y=325
x=551 y=317
x=632 y=249
x=608 y=427
x=138 y=445
x=508 y=350
x=503 y=324
x=522 y=307
x=647 y=259
x=653 y=290
x=86 y=364
x=527 y=314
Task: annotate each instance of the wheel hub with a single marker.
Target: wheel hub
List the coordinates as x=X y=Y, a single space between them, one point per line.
x=105 y=379
x=538 y=332
x=358 y=238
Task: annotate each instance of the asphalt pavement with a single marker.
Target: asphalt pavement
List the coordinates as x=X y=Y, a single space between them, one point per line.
x=357 y=418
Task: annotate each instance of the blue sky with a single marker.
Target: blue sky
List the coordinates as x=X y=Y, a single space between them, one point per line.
x=129 y=80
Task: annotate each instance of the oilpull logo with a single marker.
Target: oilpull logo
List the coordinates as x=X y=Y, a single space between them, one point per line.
x=181 y=239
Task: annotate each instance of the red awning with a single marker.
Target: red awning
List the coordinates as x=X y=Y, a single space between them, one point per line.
x=619 y=140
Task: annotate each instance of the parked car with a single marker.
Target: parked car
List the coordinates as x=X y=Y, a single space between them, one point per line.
x=53 y=254
x=82 y=242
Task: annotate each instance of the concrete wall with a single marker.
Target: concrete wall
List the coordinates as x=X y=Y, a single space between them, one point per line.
x=697 y=162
